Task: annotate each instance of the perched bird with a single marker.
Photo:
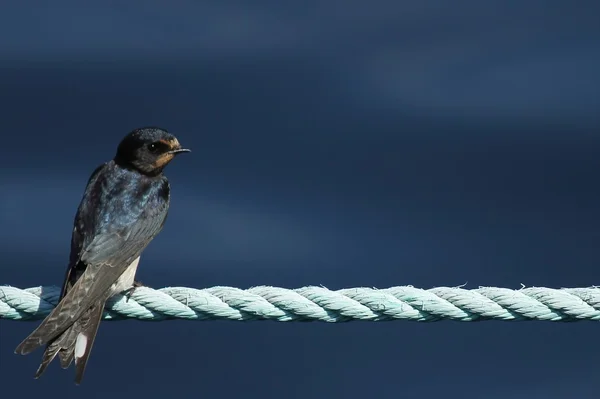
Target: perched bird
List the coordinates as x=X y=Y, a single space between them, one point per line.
x=123 y=208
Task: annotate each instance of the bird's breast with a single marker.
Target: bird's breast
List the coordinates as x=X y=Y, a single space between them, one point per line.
x=125 y=196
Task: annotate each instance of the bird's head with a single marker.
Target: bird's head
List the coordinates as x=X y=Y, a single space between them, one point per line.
x=148 y=150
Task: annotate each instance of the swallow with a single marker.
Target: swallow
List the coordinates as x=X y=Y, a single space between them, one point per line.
x=124 y=206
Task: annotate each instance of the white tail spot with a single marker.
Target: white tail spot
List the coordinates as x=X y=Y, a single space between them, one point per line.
x=80 y=345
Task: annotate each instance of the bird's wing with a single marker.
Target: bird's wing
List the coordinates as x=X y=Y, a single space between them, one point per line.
x=84 y=214
x=107 y=256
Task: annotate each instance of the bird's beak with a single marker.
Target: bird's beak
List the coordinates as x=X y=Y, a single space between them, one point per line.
x=179 y=151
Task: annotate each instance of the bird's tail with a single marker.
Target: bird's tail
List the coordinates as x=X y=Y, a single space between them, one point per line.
x=74 y=343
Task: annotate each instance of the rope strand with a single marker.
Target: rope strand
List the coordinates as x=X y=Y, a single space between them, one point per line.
x=320 y=304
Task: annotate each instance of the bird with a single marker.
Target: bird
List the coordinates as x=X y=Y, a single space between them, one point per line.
x=124 y=206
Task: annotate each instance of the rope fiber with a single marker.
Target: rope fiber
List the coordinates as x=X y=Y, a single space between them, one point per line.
x=320 y=304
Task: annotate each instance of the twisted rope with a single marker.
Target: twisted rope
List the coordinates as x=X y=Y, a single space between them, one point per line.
x=320 y=304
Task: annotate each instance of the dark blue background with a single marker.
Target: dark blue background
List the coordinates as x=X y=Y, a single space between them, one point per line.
x=341 y=143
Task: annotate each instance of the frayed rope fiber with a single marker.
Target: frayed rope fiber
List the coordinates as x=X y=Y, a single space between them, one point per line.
x=320 y=304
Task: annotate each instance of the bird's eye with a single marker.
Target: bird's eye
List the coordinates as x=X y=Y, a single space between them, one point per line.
x=154 y=147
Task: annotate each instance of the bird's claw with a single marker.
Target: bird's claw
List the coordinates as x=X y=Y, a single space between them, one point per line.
x=129 y=292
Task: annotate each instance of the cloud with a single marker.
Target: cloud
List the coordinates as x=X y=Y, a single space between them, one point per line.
x=466 y=62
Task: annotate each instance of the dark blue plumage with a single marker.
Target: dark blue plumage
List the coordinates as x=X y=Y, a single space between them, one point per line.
x=124 y=206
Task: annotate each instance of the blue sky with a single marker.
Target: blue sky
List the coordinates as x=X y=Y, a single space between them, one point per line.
x=334 y=143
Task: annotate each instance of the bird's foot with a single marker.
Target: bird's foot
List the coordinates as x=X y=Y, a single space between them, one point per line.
x=129 y=292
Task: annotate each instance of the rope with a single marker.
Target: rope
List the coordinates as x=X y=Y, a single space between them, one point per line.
x=320 y=304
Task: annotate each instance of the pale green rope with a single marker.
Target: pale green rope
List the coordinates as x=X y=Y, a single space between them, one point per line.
x=321 y=304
